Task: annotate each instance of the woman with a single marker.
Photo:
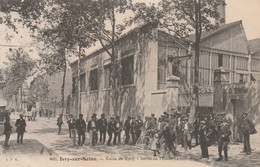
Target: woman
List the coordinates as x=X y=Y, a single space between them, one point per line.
x=7 y=131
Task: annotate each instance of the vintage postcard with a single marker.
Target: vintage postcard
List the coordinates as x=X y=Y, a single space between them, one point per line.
x=129 y=83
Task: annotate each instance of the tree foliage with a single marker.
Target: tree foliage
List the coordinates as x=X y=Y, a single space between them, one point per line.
x=19 y=67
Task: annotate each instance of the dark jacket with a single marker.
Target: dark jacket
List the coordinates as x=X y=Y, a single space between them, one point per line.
x=247 y=126
x=71 y=124
x=223 y=133
x=81 y=125
x=127 y=126
x=20 y=124
x=118 y=126
x=134 y=126
x=7 y=128
x=110 y=127
x=102 y=124
x=59 y=121
x=92 y=127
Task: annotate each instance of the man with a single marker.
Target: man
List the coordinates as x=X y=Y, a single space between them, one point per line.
x=95 y=116
x=223 y=133
x=92 y=129
x=186 y=134
x=153 y=120
x=59 y=123
x=147 y=124
x=71 y=124
x=7 y=130
x=117 y=132
x=139 y=127
x=110 y=130
x=20 y=124
x=133 y=130
x=196 y=129
x=203 y=134
x=102 y=126
x=81 y=128
x=166 y=134
x=127 y=127
x=247 y=127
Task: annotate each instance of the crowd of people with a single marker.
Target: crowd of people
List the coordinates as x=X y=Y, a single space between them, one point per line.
x=161 y=136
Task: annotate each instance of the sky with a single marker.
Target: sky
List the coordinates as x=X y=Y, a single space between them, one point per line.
x=245 y=10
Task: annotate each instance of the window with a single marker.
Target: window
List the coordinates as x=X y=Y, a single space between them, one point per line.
x=241 y=78
x=74 y=87
x=107 y=71
x=127 y=70
x=220 y=60
x=94 y=79
x=82 y=82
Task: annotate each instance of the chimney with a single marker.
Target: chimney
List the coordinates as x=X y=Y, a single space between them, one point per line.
x=222 y=12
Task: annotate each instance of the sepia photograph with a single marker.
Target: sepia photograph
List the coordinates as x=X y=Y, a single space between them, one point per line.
x=153 y=83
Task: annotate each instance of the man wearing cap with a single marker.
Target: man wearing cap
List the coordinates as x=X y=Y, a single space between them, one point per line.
x=102 y=126
x=81 y=128
x=92 y=129
x=223 y=133
x=118 y=129
x=247 y=127
x=110 y=130
x=203 y=133
x=127 y=127
x=20 y=124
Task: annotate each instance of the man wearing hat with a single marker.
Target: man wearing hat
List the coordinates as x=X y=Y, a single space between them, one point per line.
x=81 y=128
x=20 y=124
x=153 y=120
x=139 y=127
x=223 y=133
x=59 y=123
x=7 y=130
x=102 y=126
x=134 y=126
x=71 y=124
x=92 y=129
x=110 y=130
x=127 y=127
x=203 y=133
x=247 y=127
x=117 y=132
x=186 y=133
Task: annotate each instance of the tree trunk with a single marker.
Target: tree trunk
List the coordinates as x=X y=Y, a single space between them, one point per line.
x=195 y=95
x=78 y=84
x=63 y=86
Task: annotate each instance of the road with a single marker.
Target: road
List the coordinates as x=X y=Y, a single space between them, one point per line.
x=43 y=144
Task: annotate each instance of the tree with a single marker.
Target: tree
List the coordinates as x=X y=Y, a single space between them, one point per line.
x=70 y=25
x=38 y=90
x=19 y=68
x=107 y=36
x=181 y=17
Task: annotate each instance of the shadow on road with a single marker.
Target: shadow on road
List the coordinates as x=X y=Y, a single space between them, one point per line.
x=29 y=146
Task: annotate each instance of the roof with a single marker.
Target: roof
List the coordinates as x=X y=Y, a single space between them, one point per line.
x=254 y=45
x=101 y=49
x=210 y=33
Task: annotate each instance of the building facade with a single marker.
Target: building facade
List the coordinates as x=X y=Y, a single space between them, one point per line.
x=145 y=64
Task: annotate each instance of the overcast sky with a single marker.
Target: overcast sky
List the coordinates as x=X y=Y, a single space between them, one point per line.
x=246 y=10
